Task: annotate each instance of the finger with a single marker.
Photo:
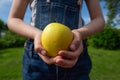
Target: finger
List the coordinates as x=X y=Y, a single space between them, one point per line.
x=66 y=54
x=81 y=47
x=66 y=63
x=71 y=54
x=79 y=50
x=47 y=59
x=76 y=41
x=38 y=47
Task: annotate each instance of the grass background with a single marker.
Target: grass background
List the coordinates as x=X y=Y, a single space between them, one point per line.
x=10 y=64
x=106 y=64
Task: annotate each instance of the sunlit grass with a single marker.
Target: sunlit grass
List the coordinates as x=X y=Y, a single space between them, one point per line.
x=10 y=64
x=106 y=64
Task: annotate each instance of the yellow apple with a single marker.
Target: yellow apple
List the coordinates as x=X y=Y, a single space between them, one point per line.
x=56 y=37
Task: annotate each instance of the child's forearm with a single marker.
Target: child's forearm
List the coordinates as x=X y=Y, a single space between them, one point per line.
x=19 y=27
x=96 y=25
x=15 y=20
x=97 y=20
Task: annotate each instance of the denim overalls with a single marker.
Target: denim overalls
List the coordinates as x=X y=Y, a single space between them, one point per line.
x=65 y=12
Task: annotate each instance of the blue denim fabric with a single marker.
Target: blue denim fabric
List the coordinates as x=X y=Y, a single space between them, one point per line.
x=63 y=11
x=34 y=68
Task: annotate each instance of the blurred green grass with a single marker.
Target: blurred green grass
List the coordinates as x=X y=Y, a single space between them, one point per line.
x=11 y=64
x=105 y=64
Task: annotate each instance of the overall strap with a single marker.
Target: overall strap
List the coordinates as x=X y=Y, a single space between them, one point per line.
x=79 y=3
x=81 y=21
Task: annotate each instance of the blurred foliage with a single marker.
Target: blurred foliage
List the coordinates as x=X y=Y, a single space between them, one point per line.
x=3 y=27
x=109 y=38
x=11 y=40
x=113 y=7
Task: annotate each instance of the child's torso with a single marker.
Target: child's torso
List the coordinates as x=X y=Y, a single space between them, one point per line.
x=62 y=11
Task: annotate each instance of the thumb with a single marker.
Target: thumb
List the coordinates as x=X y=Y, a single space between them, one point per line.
x=76 y=41
x=74 y=45
x=38 y=47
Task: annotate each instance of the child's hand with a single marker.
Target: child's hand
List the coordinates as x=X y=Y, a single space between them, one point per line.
x=40 y=50
x=68 y=59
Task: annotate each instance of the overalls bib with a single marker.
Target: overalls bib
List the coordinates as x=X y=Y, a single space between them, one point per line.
x=44 y=12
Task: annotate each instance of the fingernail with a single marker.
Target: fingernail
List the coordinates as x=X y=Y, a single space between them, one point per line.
x=43 y=52
x=73 y=47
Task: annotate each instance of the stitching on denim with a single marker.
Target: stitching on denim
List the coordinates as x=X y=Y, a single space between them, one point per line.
x=65 y=8
x=58 y=5
x=51 y=14
x=75 y=14
x=37 y=19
